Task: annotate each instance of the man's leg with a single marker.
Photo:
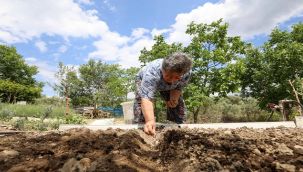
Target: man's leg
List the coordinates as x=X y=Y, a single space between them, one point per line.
x=176 y=114
x=138 y=115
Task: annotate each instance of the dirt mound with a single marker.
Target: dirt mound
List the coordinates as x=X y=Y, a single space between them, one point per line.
x=171 y=150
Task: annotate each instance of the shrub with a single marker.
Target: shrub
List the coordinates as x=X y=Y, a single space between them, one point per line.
x=74 y=119
x=7 y=114
x=19 y=124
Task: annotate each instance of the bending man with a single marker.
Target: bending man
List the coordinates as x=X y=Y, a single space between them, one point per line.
x=168 y=76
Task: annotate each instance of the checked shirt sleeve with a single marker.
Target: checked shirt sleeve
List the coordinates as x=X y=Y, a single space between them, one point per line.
x=148 y=86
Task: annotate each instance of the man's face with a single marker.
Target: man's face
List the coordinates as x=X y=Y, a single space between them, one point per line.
x=171 y=77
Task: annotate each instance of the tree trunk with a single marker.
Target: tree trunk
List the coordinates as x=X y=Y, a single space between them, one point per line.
x=9 y=97
x=196 y=112
x=297 y=97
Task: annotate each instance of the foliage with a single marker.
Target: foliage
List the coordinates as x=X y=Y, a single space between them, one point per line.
x=160 y=49
x=46 y=113
x=232 y=109
x=12 y=92
x=74 y=119
x=19 y=124
x=268 y=69
x=25 y=124
x=129 y=77
x=16 y=77
x=53 y=101
x=97 y=83
x=32 y=110
x=217 y=64
x=6 y=114
x=37 y=117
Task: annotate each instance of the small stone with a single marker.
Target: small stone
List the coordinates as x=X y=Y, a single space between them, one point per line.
x=115 y=152
x=214 y=163
x=257 y=151
x=285 y=167
x=53 y=144
x=284 y=150
x=298 y=149
x=65 y=138
x=9 y=153
x=85 y=162
x=228 y=132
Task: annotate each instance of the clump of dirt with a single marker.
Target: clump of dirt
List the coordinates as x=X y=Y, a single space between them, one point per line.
x=244 y=149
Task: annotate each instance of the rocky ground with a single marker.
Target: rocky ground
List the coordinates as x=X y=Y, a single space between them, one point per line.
x=244 y=149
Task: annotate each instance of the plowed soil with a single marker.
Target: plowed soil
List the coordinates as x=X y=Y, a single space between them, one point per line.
x=279 y=149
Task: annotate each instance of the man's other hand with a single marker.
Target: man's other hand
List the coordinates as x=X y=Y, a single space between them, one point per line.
x=172 y=103
x=150 y=127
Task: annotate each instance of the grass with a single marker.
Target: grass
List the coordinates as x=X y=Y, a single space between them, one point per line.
x=40 y=111
x=32 y=110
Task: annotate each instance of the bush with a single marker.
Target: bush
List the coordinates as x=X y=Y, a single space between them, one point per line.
x=34 y=110
x=19 y=124
x=53 y=101
x=74 y=119
x=7 y=114
x=233 y=109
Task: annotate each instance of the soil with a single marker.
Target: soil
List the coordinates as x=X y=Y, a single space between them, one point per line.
x=244 y=149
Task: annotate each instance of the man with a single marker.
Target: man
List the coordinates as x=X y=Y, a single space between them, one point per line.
x=168 y=76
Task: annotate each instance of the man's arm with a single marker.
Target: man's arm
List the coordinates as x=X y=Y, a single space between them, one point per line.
x=174 y=98
x=149 y=116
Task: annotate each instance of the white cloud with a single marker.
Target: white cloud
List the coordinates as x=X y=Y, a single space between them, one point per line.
x=138 y=33
x=62 y=49
x=23 y=20
x=247 y=18
x=85 y=2
x=156 y=32
x=109 y=5
x=46 y=70
x=125 y=54
x=30 y=60
x=41 y=46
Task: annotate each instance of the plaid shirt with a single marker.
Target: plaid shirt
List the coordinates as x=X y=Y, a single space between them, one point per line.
x=151 y=79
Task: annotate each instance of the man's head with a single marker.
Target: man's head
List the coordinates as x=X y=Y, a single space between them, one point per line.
x=174 y=66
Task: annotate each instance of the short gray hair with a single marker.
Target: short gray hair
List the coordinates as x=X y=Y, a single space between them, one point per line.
x=178 y=62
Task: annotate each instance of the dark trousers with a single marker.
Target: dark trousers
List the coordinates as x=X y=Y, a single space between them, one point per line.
x=176 y=114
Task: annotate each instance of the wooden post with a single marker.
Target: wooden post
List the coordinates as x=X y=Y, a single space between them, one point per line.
x=66 y=100
x=297 y=97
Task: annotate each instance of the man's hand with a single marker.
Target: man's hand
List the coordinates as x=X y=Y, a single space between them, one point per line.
x=150 y=127
x=174 y=98
x=172 y=103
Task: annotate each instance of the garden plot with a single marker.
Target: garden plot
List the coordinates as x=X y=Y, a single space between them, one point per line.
x=243 y=149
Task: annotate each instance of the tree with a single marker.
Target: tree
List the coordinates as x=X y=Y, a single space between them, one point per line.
x=269 y=68
x=129 y=78
x=17 y=77
x=67 y=78
x=96 y=84
x=160 y=49
x=101 y=81
x=217 y=63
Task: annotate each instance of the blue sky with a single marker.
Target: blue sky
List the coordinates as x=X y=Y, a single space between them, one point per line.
x=46 y=32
